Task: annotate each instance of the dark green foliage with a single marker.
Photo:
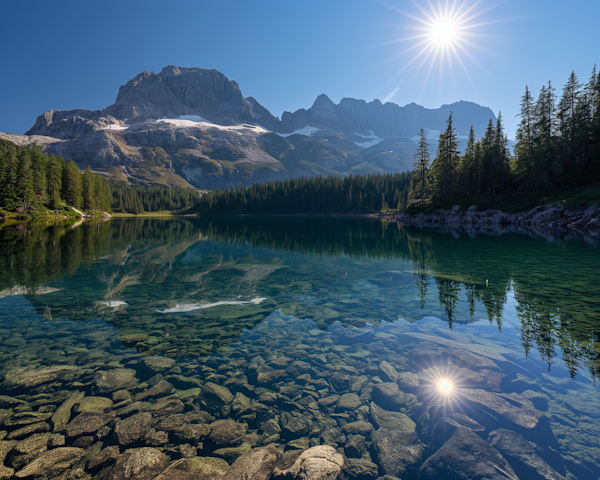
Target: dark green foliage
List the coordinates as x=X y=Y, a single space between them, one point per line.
x=335 y=194
x=32 y=182
x=557 y=150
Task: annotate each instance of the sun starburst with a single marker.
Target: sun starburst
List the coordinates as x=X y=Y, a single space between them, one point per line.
x=444 y=34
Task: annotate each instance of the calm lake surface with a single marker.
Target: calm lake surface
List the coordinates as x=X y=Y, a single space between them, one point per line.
x=414 y=352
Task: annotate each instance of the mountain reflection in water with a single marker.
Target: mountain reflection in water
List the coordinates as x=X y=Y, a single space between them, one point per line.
x=399 y=348
x=326 y=269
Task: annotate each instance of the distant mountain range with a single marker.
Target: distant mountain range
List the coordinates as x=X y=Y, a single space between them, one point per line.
x=191 y=126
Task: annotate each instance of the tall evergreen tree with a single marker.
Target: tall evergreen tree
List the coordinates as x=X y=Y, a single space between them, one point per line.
x=446 y=162
x=421 y=164
x=53 y=181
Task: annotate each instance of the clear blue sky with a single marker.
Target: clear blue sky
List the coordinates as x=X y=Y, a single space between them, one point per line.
x=76 y=54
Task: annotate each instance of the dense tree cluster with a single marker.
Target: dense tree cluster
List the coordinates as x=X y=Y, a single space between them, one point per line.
x=335 y=194
x=31 y=182
x=558 y=146
x=136 y=199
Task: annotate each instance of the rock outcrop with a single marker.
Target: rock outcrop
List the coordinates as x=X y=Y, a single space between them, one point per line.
x=546 y=216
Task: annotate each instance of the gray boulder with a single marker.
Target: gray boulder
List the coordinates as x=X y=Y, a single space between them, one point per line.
x=88 y=422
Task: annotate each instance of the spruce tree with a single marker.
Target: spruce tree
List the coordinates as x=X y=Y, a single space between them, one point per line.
x=53 y=182
x=421 y=164
x=87 y=189
x=73 y=185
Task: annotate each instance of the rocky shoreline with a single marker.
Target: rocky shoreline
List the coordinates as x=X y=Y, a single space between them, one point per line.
x=547 y=216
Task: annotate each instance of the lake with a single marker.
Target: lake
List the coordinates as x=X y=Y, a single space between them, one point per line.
x=412 y=353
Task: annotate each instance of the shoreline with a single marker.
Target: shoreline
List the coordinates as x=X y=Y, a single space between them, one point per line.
x=547 y=216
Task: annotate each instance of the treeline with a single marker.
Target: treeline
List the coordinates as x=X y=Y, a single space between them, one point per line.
x=136 y=199
x=558 y=147
x=335 y=194
x=32 y=182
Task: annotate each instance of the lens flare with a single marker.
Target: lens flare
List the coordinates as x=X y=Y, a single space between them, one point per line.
x=445 y=386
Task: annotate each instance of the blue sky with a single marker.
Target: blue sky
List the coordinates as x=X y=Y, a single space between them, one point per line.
x=76 y=54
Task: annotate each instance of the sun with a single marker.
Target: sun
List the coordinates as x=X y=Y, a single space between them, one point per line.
x=445 y=386
x=444 y=32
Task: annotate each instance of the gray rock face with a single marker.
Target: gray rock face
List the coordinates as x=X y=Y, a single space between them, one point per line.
x=316 y=463
x=466 y=455
x=385 y=120
x=126 y=135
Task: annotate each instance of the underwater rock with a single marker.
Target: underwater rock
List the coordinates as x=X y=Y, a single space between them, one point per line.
x=348 y=401
x=166 y=406
x=297 y=427
x=387 y=395
x=88 y=422
x=157 y=364
x=355 y=446
x=27 y=378
x=399 y=452
x=230 y=454
x=133 y=428
x=51 y=463
x=387 y=420
x=105 y=457
x=258 y=464
x=94 y=404
x=28 y=430
x=524 y=457
x=110 y=380
x=25 y=451
x=143 y=464
x=161 y=389
x=466 y=455
x=205 y=468
x=215 y=396
x=361 y=469
x=358 y=428
x=316 y=463
x=387 y=372
x=226 y=433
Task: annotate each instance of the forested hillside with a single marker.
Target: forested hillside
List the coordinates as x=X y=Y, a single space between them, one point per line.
x=334 y=194
x=33 y=184
x=557 y=149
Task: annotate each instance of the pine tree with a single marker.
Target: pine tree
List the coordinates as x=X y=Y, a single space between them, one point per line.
x=422 y=159
x=568 y=115
x=524 y=136
x=25 y=178
x=446 y=162
x=53 y=182
x=72 y=184
x=87 y=189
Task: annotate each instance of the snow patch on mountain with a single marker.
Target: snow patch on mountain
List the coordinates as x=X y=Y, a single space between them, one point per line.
x=306 y=131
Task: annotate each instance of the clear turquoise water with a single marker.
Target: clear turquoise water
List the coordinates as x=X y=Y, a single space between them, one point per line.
x=343 y=295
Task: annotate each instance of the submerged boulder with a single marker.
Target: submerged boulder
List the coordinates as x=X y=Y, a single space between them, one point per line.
x=316 y=463
x=466 y=456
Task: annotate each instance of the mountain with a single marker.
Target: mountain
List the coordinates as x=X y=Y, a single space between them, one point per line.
x=193 y=127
